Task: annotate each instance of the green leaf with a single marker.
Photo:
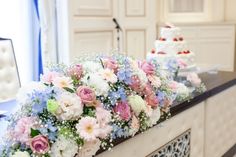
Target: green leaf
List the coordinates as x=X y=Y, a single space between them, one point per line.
x=69 y=89
x=34 y=132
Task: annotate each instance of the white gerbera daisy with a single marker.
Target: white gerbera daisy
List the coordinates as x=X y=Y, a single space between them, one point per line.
x=88 y=128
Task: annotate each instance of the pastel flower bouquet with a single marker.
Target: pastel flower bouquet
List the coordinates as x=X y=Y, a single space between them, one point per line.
x=75 y=111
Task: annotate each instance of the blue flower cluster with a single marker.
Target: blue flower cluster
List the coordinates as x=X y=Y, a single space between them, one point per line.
x=124 y=74
x=119 y=132
x=172 y=65
x=117 y=95
x=39 y=100
x=50 y=131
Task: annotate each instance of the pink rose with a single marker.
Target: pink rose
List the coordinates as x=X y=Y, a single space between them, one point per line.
x=123 y=110
x=134 y=125
x=87 y=95
x=76 y=71
x=173 y=85
x=136 y=83
x=152 y=100
x=23 y=128
x=147 y=89
x=148 y=68
x=110 y=64
x=167 y=104
x=194 y=79
x=49 y=77
x=155 y=81
x=39 y=144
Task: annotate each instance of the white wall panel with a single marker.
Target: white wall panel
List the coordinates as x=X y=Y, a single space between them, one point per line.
x=92 y=42
x=93 y=7
x=136 y=43
x=135 y=7
x=215 y=52
x=220 y=123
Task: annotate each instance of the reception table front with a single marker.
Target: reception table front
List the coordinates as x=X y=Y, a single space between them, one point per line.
x=205 y=126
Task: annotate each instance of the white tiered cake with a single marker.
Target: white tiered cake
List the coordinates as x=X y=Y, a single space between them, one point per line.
x=171 y=45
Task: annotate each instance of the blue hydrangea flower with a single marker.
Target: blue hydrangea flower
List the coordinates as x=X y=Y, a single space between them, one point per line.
x=50 y=131
x=161 y=98
x=116 y=95
x=124 y=75
x=39 y=100
x=119 y=132
x=172 y=65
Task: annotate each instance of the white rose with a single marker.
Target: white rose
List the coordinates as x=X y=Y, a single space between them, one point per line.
x=70 y=106
x=182 y=91
x=64 y=147
x=91 y=66
x=155 y=116
x=194 y=79
x=20 y=154
x=89 y=148
x=95 y=81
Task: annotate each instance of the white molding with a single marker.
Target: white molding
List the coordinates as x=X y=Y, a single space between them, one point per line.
x=213 y=11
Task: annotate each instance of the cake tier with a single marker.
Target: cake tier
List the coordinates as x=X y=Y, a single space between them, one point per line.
x=170 y=33
x=170 y=47
x=189 y=59
x=163 y=59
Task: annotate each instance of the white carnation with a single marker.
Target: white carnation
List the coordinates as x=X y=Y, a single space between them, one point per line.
x=155 y=116
x=70 y=106
x=64 y=147
x=95 y=81
x=20 y=154
x=91 y=66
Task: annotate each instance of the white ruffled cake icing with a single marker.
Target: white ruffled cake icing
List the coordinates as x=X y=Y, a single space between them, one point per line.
x=171 y=44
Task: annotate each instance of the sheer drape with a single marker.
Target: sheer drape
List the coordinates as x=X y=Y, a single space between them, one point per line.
x=47 y=14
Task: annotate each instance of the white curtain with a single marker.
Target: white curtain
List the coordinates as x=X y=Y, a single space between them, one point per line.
x=47 y=13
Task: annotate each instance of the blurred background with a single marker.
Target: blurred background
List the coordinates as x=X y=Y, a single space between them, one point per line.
x=56 y=31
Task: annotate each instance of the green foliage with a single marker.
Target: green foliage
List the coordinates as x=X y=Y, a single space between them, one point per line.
x=34 y=132
x=89 y=111
x=143 y=121
x=69 y=89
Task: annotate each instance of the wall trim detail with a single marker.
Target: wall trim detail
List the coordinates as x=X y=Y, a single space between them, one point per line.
x=179 y=146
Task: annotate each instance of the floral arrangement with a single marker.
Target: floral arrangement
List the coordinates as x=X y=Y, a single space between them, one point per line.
x=77 y=110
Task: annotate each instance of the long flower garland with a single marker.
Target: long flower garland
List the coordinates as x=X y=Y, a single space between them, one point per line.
x=77 y=110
